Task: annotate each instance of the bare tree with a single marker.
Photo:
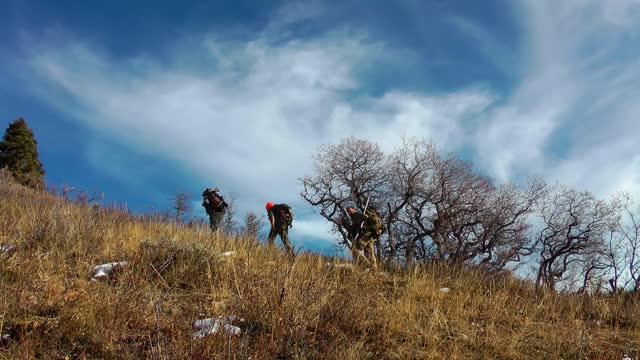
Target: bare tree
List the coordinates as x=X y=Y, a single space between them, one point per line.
x=592 y=270
x=615 y=256
x=252 y=224
x=630 y=229
x=410 y=172
x=181 y=206
x=433 y=207
x=458 y=201
x=574 y=226
x=460 y=216
x=228 y=221
x=348 y=173
x=504 y=235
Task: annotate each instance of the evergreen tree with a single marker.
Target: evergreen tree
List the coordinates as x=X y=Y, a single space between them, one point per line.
x=19 y=154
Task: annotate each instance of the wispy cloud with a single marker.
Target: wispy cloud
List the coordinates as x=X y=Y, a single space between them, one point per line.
x=501 y=55
x=572 y=117
x=248 y=117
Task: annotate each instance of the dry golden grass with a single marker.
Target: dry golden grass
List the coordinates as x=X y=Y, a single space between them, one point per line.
x=292 y=308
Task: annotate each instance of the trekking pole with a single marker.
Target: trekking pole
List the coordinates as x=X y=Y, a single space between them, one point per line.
x=366 y=204
x=362 y=224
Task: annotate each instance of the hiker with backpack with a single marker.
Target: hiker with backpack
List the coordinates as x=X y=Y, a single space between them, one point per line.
x=364 y=231
x=281 y=219
x=215 y=206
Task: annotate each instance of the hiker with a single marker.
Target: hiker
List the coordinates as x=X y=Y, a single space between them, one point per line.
x=281 y=219
x=364 y=231
x=215 y=206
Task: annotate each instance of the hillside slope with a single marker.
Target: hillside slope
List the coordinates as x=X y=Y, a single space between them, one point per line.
x=303 y=308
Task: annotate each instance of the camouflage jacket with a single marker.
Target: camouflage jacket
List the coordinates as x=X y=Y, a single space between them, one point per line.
x=280 y=214
x=364 y=223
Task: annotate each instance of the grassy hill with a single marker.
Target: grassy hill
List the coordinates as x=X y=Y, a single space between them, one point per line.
x=300 y=308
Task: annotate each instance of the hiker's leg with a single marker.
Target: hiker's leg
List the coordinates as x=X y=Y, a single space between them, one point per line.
x=272 y=236
x=356 y=247
x=284 y=236
x=216 y=219
x=369 y=253
x=212 y=223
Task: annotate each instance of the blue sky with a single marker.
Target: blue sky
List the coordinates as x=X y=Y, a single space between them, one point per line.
x=144 y=99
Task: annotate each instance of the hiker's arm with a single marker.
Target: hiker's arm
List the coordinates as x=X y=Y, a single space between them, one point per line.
x=223 y=203
x=353 y=231
x=356 y=226
x=271 y=220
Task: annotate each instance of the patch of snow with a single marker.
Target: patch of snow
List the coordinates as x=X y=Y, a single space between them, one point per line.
x=212 y=326
x=6 y=248
x=102 y=271
x=341 y=265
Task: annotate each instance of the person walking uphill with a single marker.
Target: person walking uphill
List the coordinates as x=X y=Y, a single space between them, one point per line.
x=365 y=230
x=215 y=206
x=281 y=219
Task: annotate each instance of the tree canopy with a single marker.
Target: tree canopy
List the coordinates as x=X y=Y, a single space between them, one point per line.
x=19 y=154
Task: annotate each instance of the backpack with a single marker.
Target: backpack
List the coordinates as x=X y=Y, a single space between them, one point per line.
x=374 y=221
x=215 y=200
x=282 y=212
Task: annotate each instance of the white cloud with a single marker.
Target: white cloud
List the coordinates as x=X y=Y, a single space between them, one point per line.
x=316 y=228
x=604 y=170
x=249 y=119
x=246 y=116
x=501 y=56
x=623 y=13
x=572 y=117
